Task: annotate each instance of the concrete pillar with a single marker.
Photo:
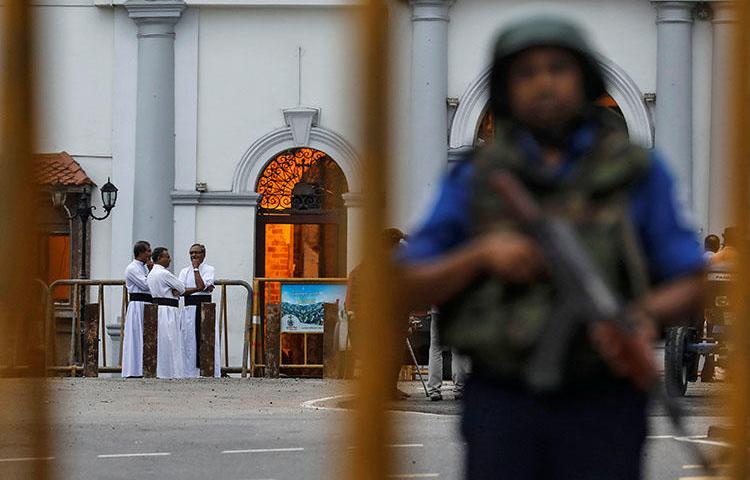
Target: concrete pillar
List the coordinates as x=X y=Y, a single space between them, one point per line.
x=721 y=109
x=429 y=90
x=155 y=128
x=674 y=89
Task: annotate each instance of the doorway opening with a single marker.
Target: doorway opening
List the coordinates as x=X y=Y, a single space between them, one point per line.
x=300 y=233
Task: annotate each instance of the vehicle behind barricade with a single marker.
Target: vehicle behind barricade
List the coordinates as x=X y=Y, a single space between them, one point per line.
x=705 y=338
x=64 y=327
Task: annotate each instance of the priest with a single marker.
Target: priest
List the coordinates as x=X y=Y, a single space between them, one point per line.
x=199 y=283
x=138 y=295
x=166 y=290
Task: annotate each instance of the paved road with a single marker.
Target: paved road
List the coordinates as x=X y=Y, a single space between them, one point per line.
x=259 y=429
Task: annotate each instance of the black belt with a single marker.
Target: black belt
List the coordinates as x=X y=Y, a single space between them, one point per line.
x=196 y=301
x=140 y=297
x=169 y=302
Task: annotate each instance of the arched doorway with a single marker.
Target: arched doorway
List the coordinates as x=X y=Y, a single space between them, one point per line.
x=486 y=128
x=472 y=107
x=300 y=231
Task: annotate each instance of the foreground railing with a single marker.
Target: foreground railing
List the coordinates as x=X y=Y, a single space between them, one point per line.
x=75 y=356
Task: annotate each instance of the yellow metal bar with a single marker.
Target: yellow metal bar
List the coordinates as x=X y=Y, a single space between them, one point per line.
x=299 y=280
x=24 y=402
x=370 y=427
x=256 y=320
x=738 y=203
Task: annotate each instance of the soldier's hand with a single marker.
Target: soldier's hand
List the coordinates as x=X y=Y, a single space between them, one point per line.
x=629 y=355
x=514 y=257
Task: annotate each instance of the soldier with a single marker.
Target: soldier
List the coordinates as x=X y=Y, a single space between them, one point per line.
x=491 y=281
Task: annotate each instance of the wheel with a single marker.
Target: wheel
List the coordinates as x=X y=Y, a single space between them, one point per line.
x=678 y=363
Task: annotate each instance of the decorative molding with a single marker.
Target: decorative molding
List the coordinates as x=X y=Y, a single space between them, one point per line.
x=620 y=86
x=430 y=10
x=155 y=11
x=218 y=198
x=724 y=12
x=265 y=148
x=300 y=121
x=457 y=154
x=674 y=12
x=352 y=199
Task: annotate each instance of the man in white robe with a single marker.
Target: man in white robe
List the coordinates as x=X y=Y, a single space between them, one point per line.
x=166 y=290
x=199 y=283
x=138 y=295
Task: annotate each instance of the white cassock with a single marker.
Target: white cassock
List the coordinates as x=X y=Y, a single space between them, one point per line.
x=161 y=282
x=188 y=318
x=132 y=341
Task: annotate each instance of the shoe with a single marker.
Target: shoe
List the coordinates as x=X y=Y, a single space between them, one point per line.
x=436 y=396
x=458 y=395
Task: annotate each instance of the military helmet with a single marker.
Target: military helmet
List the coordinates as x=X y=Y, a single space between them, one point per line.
x=541 y=31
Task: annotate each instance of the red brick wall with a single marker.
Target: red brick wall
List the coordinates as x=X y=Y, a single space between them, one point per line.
x=279 y=258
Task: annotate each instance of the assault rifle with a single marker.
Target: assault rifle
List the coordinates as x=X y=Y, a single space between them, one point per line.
x=586 y=299
x=585 y=296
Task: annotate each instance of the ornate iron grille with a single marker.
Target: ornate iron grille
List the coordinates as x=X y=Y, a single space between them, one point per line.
x=301 y=180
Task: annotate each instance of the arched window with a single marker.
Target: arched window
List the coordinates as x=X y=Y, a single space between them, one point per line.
x=301 y=180
x=486 y=129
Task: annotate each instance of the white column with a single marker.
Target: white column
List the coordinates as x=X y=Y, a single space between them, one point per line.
x=429 y=89
x=155 y=129
x=721 y=108
x=354 y=217
x=674 y=89
x=186 y=131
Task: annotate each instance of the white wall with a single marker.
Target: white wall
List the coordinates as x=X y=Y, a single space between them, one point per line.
x=249 y=73
x=74 y=62
x=229 y=236
x=623 y=31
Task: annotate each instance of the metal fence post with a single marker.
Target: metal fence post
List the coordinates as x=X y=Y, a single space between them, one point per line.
x=91 y=340
x=150 y=339
x=273 y=340
x=207 y=340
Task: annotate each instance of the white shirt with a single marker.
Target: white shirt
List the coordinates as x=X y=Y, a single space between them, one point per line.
x=135 y=277
x=161 y=282
x=207 y=273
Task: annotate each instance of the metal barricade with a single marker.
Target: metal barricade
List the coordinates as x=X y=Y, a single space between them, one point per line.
x=249 y=328
x=258 y=316
x=76 y=343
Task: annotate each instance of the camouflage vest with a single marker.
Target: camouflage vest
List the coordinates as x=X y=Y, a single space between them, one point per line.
x=497 y=324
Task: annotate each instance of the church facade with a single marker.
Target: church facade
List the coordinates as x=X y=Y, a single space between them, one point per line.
x=234 y=123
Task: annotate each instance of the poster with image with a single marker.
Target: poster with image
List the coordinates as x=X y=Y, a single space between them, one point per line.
x=302 y=305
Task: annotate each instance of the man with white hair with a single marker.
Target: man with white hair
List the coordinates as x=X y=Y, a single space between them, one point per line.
x=199 y=283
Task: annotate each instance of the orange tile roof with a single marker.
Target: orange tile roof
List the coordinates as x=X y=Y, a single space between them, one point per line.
x=59 y=168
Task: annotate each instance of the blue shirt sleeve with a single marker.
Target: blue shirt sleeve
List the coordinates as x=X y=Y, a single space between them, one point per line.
x=447 y=224
x=667 y=235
